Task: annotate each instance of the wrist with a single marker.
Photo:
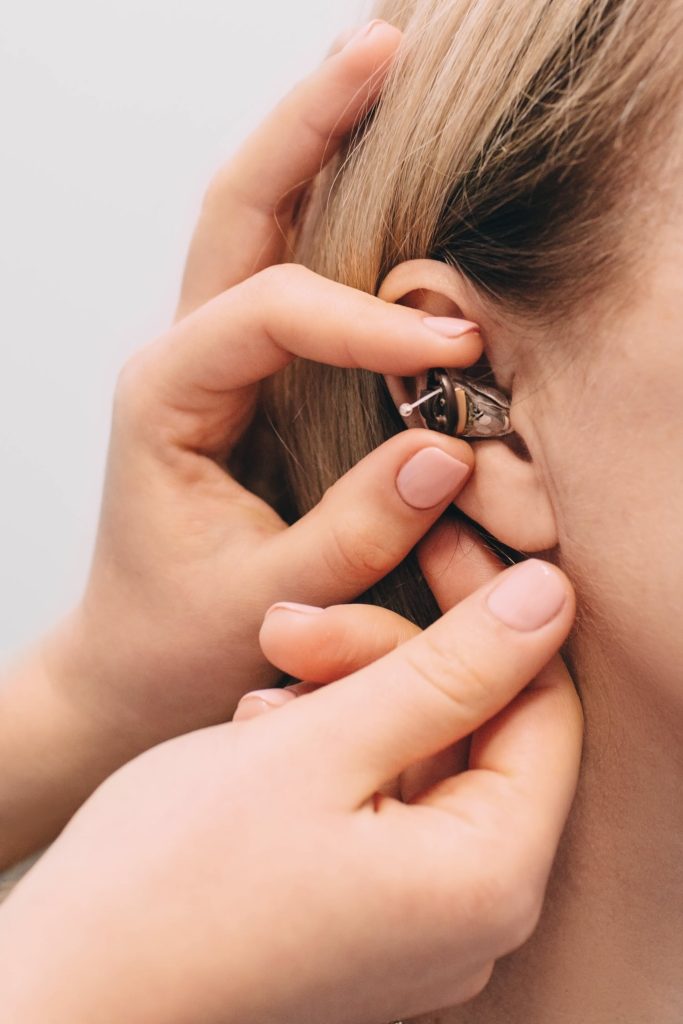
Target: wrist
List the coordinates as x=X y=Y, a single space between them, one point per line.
x=88 y=675
x=55 y=747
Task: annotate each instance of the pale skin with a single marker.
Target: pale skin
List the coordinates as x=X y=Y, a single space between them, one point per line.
x=603 y=488
x=598 y=400
x=363 y=812
x=607 y=494
x=165 y=639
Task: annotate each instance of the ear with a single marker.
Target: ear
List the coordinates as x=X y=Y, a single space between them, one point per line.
x=507 y=494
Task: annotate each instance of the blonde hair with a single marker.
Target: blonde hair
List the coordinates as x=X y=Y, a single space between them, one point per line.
x=508 y=141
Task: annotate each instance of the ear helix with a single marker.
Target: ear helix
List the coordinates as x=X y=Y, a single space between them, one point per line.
x=442 y=399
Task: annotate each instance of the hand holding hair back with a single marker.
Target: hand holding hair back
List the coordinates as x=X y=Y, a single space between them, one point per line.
x=187 y=857
x=165 y=639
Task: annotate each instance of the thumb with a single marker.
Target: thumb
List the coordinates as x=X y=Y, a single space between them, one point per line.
x=433 y=690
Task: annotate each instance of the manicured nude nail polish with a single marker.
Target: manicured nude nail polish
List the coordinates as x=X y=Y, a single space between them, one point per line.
x=429 y=478
x=450 y=327
x=291 y=606
x=529 y=596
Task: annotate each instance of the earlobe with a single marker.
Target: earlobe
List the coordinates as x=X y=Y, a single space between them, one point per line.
x=507 y=493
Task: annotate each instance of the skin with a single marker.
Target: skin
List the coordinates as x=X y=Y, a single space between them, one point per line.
x=186 y=564
x=598 y=402
x=611 y=472
x=165 y=639
x=611 y=918
x=609 y=944
x=599 y=405
x=216 y=808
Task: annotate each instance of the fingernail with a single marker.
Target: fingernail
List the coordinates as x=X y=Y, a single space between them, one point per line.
x=528 y=597
x=259 y=701
x=430 y=477
x=449 y=327
x=291 y=606
x=365 y=31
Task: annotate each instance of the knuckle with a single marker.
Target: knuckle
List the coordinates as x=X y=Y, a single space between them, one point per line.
x=280 y=279
x=276 y=289
x=131 y=386
x=511 y=902
x=353 y=552
x=476 y=983
x=447 y=669
x=526 y=904
x=221 y=184
x=353 y=559
x=214 y=190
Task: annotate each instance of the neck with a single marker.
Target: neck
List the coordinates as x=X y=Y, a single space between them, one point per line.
x=609 y=945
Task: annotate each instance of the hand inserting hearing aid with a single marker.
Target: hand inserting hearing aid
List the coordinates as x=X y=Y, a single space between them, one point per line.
x=452 y=404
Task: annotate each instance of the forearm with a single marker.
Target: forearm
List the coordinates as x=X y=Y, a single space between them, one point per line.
x=52 y=753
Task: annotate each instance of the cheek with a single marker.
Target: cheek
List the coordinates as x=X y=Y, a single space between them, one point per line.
x=613 y=446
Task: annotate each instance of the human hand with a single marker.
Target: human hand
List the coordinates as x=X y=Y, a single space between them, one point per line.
x=251 y=871
x=187 y=560
x=320 y=649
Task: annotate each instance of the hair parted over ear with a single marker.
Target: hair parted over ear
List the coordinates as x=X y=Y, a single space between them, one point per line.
x=515 y=144
x=506 y=493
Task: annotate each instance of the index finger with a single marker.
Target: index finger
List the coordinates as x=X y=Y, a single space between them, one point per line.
x=247 y=206
x=435 y=689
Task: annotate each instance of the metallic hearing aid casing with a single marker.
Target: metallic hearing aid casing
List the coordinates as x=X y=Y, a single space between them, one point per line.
x=448 y=401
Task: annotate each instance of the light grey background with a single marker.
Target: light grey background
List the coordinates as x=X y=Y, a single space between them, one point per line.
x=114 y=115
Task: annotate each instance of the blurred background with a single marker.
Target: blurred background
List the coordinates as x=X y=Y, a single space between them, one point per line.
x=114 y=116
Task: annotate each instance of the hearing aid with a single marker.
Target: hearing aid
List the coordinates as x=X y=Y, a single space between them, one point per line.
x=448 y=401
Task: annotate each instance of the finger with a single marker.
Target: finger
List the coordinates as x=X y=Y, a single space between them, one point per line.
x=515 y=799
x=258 y=702
x=532 y=746
x=250 y=332
x=326 y=644
x=367 y=522
x=436 y=688
x=455 y=562
x=245 y=213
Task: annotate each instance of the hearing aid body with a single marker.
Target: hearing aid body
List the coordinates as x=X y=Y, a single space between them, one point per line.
x=451 y=403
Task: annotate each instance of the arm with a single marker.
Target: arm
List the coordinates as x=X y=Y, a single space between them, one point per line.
x=165 y=640
x=262 y=870
x=53 y=754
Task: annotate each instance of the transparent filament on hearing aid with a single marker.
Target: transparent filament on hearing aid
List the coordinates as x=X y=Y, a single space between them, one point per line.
x=451 y=403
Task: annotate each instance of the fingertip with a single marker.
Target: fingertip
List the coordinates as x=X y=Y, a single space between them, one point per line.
x=531 y=595
x=293 y=608
x=430 y=477
x=281 y=622
x=373 y=44
x=372 y=33
x=258 y=702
